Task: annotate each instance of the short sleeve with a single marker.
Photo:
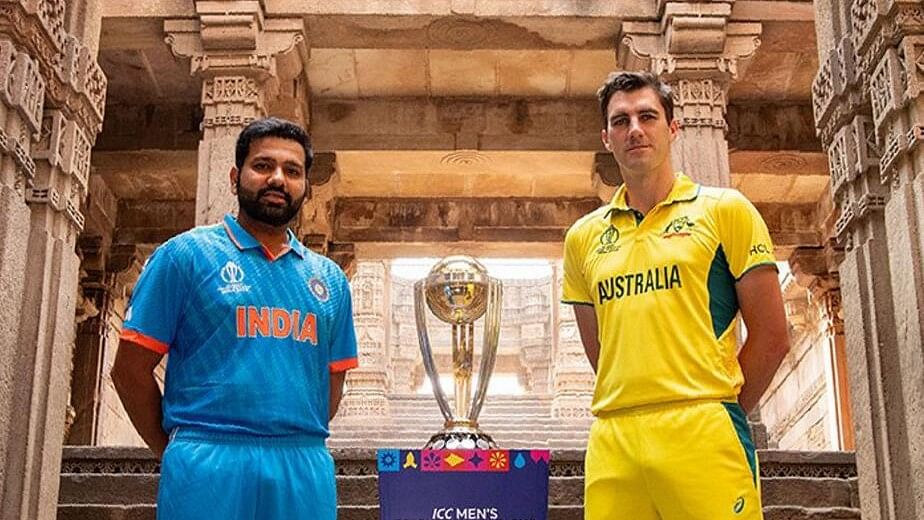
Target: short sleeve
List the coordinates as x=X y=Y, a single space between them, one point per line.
x=343 y=349
x=743 y=234
x=574 y=284
x=157 y=302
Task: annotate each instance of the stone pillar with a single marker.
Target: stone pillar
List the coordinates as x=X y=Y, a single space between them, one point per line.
x=89 y=344
x=365 y=398
x=535 y=333
x=815 y=268
x=405 y=372
x=236 y=50
x=869 y=112
x=699 y=51
x=572 y=376
x=43 y=187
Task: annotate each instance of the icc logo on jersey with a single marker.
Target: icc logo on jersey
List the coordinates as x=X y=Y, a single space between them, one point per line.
x=608 y=240
x=233 y=276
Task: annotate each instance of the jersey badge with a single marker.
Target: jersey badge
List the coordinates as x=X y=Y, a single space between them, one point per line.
x=319 y=289
x=679 y=227
x=233 y=276
x=608 y=240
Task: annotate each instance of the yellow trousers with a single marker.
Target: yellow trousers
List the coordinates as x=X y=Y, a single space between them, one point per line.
x=679 y=461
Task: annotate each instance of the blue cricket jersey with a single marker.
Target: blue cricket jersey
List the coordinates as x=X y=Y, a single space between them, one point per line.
x=252 y=339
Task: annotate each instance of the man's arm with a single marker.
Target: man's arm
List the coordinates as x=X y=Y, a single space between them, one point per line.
x=761 y=303
x=586 y=319
x=133 y=376
x=336 y=392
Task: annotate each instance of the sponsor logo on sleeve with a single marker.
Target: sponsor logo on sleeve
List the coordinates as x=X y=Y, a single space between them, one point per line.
x=760 y=249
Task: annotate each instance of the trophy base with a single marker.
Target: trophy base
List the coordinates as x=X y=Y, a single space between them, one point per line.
x=461 y=440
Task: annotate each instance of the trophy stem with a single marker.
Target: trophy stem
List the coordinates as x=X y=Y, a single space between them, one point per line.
x=463 y=349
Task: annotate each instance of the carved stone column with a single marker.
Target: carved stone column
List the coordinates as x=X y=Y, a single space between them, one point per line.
x=815 y=268
x=572 y=376
x=365 y=398
x=89 y=344
x=21 y=100
x=534 y=334
x=39 y=244
x=404 y=358
x=699 y=52
x=869 y=112
x=235 y=49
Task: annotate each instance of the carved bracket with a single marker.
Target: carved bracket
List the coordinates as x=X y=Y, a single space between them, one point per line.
x=692 y=40
x=235 y=44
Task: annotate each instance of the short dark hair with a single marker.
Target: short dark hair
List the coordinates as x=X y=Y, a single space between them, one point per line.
x=631 y=81
x=271 y=127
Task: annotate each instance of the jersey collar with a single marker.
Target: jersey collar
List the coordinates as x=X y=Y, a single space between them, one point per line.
x=244 y=240
x=684 y=189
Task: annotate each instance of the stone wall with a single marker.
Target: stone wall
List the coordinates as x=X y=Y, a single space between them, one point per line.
x=796 y=408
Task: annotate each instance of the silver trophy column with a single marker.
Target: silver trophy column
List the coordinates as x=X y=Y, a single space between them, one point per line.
x=459 y=291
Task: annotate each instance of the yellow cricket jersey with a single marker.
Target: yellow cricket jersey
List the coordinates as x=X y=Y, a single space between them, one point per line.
x=663 y=288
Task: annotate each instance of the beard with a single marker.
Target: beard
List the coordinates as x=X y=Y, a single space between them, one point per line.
x=272 y=215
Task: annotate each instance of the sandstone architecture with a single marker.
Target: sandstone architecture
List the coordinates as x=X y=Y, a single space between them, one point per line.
x=462 y=126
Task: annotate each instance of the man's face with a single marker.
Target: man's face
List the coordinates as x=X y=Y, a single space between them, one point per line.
x=272 y=184
x=637 y=131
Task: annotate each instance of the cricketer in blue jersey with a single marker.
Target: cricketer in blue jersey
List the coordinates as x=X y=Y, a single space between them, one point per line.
x=259 y=332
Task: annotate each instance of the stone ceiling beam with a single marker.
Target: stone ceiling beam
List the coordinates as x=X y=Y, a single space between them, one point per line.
x=514 y=220
x=761 y=10
x=364 y=220
x=535 y=124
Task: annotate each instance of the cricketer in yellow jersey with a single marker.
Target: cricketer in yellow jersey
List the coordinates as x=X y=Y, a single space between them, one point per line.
x=657 y=279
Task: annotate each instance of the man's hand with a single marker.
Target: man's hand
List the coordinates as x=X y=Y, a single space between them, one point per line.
x=336 y=393
x=761 y=303
x=133 y=376
x=586 y=318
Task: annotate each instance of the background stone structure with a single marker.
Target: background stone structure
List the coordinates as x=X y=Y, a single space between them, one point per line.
x=462 y=126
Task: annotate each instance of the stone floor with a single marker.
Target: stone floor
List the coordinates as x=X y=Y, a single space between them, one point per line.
x=120 y=484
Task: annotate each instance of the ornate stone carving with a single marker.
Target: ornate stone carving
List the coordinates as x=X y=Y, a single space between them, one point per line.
x=838 y=160
x=702 y=102
x=62 y=184
x=912 y=51
x=691 y=38
x=456 y=32
x=886 y=88
x=214 y=51
x=25 y=88
x=863 y=14
x=865 y=145
x=230 y=89
x=465 y=158
x=25 y=166
x=74 y=81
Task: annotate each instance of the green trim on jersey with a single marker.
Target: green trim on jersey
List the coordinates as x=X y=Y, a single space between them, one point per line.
x=723 y=300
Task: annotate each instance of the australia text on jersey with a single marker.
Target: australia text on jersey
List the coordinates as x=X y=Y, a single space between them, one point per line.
x=659 y=278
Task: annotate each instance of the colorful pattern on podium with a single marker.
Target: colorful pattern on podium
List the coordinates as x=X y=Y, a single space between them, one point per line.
x=463 y=484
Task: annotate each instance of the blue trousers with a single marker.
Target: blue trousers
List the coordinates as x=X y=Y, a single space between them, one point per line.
x=243 y=477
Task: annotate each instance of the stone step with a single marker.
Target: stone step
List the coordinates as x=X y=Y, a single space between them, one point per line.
x=562 y=512
x=108 y=488
x=107 y=512
x=810 y=513
x=795 y=493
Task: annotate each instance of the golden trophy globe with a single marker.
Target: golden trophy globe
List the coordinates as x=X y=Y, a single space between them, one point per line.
x=458 y=291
